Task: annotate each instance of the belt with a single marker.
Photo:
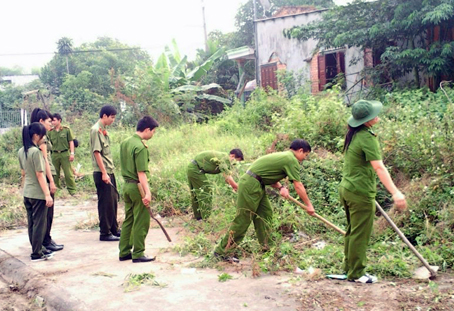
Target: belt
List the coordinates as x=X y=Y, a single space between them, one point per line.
x=256 y=177
x=197 y=164
x=59 y=151
x=131 y=181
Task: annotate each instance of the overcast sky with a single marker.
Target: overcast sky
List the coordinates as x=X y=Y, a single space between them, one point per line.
x=33 y=27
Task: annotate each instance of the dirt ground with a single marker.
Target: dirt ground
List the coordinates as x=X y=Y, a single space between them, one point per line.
x=90 y=272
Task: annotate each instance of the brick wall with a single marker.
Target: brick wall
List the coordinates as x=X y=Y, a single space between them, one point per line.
x=314 y=74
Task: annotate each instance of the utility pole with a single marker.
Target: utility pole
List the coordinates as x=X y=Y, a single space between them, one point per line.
x=205 y=27
x=257 y=66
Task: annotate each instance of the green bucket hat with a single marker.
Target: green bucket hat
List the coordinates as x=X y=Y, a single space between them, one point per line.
x=363 y=111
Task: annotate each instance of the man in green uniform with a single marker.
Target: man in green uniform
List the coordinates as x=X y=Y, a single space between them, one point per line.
x=62 y=138
x=209 y=162
x=103 y=175
x=253 y=204
x=134 y=158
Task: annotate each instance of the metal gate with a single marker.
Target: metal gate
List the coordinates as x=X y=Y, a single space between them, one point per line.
x=13 y=118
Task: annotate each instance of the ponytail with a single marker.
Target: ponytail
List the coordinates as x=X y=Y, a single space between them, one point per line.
x=349 y=136
x=27 y=134
x=39 y=114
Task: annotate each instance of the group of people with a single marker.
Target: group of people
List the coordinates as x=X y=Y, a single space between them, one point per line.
x=47 y=146
x=357 y=189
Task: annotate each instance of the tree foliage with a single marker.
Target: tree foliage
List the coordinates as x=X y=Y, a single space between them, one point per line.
x=97 y=58
x=244 y=19
x=65 y=48
x=401 y=31
x=16 y=70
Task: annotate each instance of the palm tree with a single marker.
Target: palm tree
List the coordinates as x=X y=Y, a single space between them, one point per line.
x=65 y=48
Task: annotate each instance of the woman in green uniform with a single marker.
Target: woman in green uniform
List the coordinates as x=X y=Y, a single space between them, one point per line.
x=37 y=196
x=45 y=118
x=357 y=189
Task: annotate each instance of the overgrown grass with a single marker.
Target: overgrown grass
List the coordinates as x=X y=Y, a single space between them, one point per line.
x=416 y=137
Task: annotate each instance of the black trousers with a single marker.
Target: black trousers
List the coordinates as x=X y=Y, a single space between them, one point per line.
x=50 y=219
x=37 y=222
x=107 y=204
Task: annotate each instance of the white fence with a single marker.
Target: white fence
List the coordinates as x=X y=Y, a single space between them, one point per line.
x=13 y=118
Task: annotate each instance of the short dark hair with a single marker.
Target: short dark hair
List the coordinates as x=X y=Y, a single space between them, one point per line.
x=238 y=154
x=300 y=144
x=76 y=143
x=56 y=116
x=108 y=110
x=39 y=114
x=145 y=123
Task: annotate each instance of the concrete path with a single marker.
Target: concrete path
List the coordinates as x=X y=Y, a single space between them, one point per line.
x=87 y=274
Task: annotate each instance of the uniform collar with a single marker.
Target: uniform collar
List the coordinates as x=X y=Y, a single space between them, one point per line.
x=102 y=128
x=142 y=140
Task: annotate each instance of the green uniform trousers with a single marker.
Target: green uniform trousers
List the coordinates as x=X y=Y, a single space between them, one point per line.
x=200 y=192
x=252 y=205
x=61 y=160
x=360 y=211
x=37 y=224
x=136 y=225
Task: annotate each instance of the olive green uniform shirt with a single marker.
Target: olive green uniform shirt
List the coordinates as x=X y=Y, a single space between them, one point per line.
x=276 y=166
x=358 y=174
x=134 y=157
x=100 y=141
x=60 y=139
x=34 y=162
x=213 y=162
x=49 y=157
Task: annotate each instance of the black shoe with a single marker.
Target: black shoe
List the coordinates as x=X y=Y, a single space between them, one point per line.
x=55 y=244
x=53 y=247
x=230 y=259
x=117 y=234
x=127 y=257
x=42 y=258
x=144 y=259
x=109 y=238
x=47 y=251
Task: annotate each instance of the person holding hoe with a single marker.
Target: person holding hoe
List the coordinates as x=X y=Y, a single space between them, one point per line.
x=252 y=202
x=357 y=190
x=134 y=158
x=103 y=175
x=209 y=162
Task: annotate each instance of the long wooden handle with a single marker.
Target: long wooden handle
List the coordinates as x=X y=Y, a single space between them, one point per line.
x=433 y=274
x=330 y=224
x=142 y=194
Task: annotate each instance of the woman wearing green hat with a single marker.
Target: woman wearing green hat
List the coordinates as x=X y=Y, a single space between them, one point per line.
x=357 y=189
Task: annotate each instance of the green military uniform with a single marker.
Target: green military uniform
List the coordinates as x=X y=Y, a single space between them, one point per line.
x=34 y=198
x=207 y=162
x=49 y=155
x=357 y=192
x=134 y=158
x=253 y=204
x=50 y=210
x=107 y=197
x=60 y=156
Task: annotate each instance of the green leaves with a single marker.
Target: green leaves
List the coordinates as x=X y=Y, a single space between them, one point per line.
x=409 y=31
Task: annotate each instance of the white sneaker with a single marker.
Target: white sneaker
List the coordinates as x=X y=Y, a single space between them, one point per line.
x=367 y=279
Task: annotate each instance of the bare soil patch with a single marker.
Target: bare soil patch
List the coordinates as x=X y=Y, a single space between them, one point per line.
x=90 y=271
